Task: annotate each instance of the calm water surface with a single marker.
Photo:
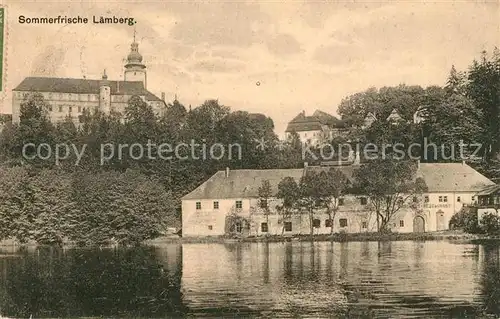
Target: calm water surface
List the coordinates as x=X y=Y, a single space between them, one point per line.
x=436 y=279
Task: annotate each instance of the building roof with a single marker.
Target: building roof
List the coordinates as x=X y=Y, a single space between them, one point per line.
x=439 y=177
x=83 y=86
x=347 y=170
x=489 y=190
x=315 y=122
x=394 y=116
x=241 y=183
x=452 y=177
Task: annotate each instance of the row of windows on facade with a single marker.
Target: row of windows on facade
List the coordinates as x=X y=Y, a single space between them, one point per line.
x=80 y=109
x=362 y=201
x=263 y=203
x=74 y=96
x=264 y=227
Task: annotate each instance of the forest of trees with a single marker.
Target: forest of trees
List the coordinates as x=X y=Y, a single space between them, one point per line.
x=129 y=199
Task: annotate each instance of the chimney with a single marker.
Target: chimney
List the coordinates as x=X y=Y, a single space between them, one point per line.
x=163 y=96
x=418 y=163
x=463 y=162
x=227 y=172
x=306 y=164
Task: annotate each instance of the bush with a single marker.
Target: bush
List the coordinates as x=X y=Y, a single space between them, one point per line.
x=466 y=219
x=490 y=224
x=51 y=205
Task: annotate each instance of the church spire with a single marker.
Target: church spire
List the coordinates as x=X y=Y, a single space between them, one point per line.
x=135 y=69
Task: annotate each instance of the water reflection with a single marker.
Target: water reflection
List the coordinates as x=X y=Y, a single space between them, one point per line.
x=387 y=279
x=490 y=278
x=365 y=279
x=73 y=283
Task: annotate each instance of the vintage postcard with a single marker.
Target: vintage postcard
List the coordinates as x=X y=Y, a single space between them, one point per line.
x=254 y=159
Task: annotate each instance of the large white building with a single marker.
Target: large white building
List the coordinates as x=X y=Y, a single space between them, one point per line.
x=69 y=97
x=235 y=193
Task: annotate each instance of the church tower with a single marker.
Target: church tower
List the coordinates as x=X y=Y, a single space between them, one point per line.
x=135 y=70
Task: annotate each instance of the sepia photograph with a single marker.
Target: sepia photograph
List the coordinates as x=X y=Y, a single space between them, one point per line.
x=249 y=159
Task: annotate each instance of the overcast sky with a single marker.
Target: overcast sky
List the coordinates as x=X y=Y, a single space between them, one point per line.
x=304 y=56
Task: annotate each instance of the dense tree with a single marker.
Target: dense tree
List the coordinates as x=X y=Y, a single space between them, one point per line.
x=332 y=185
x=389 y=185
x=310 y=196
x=288 y=194
x=265 y=196
x=484 y=89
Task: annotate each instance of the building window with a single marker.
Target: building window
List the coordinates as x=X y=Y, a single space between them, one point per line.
x=328 y=223
x=70 y=109
x=210 y=227
x=263 y=203
x=401 y=223
x=60 y=108
x=415 y=199
x=426 y=198
x=445 y=199
x=440 y=199
x=239 y=204
x=364 y=225
x=264 y=228
x=288 y=226
x=198 y=205
x=473 y=198
x=79 y=109
x=50 y=108
x=216 y=205
x=341 y=202
x=239 y=227
x=343 y=222
x=458 y=199
x=316 y=223
x=363 y=200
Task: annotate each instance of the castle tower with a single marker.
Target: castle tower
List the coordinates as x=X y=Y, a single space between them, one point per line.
x=104 y=94
x=135 y=70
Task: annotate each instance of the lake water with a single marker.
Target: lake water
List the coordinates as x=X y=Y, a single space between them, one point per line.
x=433 y=279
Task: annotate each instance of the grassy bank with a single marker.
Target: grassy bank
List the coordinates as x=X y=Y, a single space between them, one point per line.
x=448 y=235
x=351 y=237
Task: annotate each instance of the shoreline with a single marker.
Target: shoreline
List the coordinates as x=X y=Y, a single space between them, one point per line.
x=345 y=237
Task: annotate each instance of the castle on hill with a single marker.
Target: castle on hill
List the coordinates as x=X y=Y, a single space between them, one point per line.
x=71 y=97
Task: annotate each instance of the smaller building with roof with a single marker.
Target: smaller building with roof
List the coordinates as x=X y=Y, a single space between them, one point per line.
x=316 y=128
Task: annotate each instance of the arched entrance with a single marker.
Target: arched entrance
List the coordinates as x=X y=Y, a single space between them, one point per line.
x=440 y=224
x=418 y=224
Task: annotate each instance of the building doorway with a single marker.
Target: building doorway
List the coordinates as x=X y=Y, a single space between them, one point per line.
x=418 y=224
x=440 y=224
